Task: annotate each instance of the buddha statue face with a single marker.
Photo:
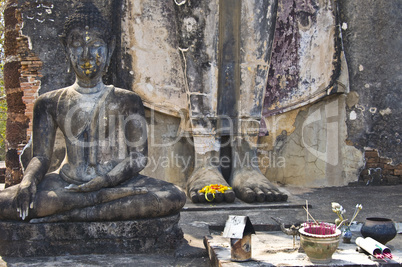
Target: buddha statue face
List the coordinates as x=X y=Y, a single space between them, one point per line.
x=89 y=43
x=88 y=53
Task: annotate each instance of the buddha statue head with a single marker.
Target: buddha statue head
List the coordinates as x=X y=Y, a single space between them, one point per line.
x=88 y=43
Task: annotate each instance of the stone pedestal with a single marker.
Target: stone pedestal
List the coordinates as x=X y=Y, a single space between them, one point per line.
x=21 y=239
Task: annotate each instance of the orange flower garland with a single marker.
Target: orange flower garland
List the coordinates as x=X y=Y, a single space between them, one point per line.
x=214 y=188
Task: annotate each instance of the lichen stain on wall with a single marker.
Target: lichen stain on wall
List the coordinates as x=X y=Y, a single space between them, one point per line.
x=305 y=50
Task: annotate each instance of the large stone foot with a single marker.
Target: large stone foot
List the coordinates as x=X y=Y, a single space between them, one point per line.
x=251 y=185
x=247 y=181
x=204 y=176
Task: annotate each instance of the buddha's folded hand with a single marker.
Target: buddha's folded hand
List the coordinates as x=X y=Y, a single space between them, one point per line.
x=25 y=198
x=93 y=185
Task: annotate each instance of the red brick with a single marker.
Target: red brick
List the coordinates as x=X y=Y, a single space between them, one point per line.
x=370 y=154
x=374 y=165
x=33 y=58
x=389 y=166
x=385 y=160
x=26 y=62
x=384 y=171
x=372 y=160
x=26 y=94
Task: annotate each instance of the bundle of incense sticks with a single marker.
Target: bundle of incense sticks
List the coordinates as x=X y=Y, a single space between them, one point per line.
x=388 y=255
x=379 y=256
x=383 y=256
x=321 y=228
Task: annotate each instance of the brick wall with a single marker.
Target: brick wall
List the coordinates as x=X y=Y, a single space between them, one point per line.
x=29 y=78
x=379 y=170
x=21 y=79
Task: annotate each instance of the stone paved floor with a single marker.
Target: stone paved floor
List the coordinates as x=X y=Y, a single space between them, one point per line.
x=384 y=201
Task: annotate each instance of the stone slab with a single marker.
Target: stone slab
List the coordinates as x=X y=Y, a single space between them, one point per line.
x=277 y=249
x=22 y=239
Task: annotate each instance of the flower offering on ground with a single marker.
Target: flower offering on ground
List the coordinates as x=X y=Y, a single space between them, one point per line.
x=213 y=189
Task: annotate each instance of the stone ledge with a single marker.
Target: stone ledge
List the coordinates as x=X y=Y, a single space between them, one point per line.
x=21 y=239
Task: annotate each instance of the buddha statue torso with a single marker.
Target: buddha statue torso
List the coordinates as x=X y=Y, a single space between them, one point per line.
x=96 y=137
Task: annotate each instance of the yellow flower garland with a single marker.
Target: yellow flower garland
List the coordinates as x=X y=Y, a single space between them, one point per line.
x=213 y=188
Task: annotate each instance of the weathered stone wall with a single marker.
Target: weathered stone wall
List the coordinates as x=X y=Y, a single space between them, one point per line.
x=371 y=30
x=306 y=146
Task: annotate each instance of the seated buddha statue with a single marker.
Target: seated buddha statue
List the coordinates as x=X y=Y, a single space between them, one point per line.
x=106 y=143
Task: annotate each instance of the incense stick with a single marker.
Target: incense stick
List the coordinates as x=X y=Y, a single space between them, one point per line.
x=307 y=210
x=308 y=213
